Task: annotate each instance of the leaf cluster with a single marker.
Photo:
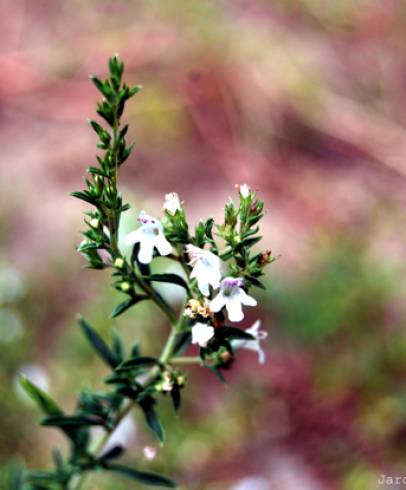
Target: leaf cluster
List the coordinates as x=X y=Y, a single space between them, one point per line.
x=103 y=409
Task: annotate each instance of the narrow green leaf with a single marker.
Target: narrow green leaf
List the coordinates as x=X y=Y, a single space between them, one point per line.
x=113 y=453
x=58 y=460
x=255 y=282
x=176 y=398
x=42 y=477
x=125 y=305
x=171 y=278
x=151 y=417
x=72 y=421
x=134 y=90
x=98 y=343
x=218 y=374
x=42 y=399
x=84 y=196
x=141 y=476
x=234 y=333
x=137 y=362
x=16 y=476
x=117 y=346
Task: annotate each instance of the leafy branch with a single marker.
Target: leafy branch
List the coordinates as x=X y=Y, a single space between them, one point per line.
x=137 y=380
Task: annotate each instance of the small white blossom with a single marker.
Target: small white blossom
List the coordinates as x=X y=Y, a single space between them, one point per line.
x=207 y=268
x=253 y=344
x=201 y=334
x=245 y=191
x=149 y=235
x=172 y=203
x=232 y=296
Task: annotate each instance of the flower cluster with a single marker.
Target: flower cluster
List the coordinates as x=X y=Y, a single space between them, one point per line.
x=213 y=290
x=219 y=267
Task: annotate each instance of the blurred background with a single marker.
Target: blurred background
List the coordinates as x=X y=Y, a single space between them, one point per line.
x=304 y=101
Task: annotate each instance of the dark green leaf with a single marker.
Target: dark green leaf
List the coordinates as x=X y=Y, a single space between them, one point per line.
x=171 y=278
x=176 y=399
x=137 y=362
x=234 y=333
x=122 y=307
x=134 y=90
x=72 y=421
x=151 y=417
x=254 y=281
x=128 y=392
x=249 y=242
x=103 y=87
x=114 y=452
x=84 y=196
x=58 y=460
x=144 y=268
x=42 y=399
x=218 y=374
x=42 y=476
x=117 y=346
x=16 y=476
x=98 y=343
x=141 y=476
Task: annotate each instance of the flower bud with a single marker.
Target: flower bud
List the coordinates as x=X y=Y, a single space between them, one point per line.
x=125 y=286
x=245 y=191
x=265 y=257
x=119 y=263
x=180 y=380
x=225 y=356
x=98 y=184
x=172 y=203
x=95 y=223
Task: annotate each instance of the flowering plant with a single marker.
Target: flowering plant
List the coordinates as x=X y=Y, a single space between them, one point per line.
x=219 y=268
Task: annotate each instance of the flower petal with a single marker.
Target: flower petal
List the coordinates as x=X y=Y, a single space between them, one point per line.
x=254 y=329
x=217 y=303
x=201 y=334
x=234 y=310
x=133 y=237
x=247 y=300
x=162 y=244
x=146 y=250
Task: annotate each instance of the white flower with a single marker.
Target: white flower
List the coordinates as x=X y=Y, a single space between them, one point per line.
x=172 y=203
x=201 y=334
x=149 y=235
x=232 y=296
x=207 y=268
x=245 y=191
x=253 y=344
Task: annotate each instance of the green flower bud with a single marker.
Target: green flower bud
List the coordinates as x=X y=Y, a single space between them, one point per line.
x=95 y=223
x=119 y=263
x=125 y=286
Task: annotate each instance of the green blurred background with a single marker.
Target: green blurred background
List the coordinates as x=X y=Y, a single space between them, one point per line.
x=304 y=101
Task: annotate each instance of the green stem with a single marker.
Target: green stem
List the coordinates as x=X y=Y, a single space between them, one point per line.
x=125 y=410
x=186 y=360
x=157 y=299
x=170 y=345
